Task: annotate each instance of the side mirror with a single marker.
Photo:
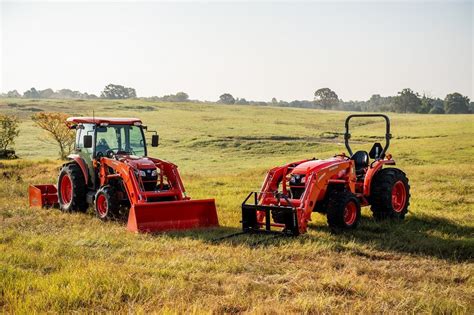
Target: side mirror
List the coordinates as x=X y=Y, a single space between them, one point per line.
x=155 y=140
x=87 y=141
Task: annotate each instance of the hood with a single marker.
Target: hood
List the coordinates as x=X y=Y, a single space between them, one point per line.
x=316 y=165
x=140 y=163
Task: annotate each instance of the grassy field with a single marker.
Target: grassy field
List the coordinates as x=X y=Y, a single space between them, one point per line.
x=56 y=262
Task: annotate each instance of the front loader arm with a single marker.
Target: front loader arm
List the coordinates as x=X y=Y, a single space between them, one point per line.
x=123 y=171
x=317 y=184
x=171 y=172
x=273 y=179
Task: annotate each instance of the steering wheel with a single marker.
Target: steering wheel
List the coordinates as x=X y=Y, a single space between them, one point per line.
x=109 y=153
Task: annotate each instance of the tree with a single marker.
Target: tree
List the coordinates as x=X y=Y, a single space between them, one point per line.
x=55 y=126
x=46 y=93
x=13 y=94
x=226 y=98
x=456 y=103
x=407 y=101
x=437 y=110
x=375 y=101
x=113 y=91
x=427 y=104
x=8 y=131
x=31 y=93
x=181 y=97
x=241 y=101
x=274 y=101
x=326 y=98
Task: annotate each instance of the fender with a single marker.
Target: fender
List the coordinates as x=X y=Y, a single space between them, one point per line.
x=80 y=161
x=373 y=169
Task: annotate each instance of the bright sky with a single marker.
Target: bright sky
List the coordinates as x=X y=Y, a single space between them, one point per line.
x=252 y=50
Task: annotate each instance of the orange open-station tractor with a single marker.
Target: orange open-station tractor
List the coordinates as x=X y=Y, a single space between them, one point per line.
x=110 y=169
x=337 y=186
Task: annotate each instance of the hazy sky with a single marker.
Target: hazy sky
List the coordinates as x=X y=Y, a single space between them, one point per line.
x=252 y=50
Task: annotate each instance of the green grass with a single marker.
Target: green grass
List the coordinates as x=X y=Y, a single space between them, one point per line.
x=56 y=262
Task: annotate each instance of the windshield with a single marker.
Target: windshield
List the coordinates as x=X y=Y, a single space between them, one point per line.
x=120 y=139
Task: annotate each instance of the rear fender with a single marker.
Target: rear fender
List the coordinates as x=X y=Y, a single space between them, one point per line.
x=373 y=169
x=82 y=164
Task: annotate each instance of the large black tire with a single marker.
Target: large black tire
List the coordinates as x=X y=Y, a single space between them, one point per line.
x=389 y=194
x=343 y=210
x=72 y=189
x=106 y=204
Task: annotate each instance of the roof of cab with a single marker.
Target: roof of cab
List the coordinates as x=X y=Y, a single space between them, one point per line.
x=100 y=120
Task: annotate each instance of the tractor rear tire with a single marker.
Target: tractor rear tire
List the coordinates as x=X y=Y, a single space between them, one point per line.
x=72 y=189
x=343 y=210
x=390 y=194
x=106 y=203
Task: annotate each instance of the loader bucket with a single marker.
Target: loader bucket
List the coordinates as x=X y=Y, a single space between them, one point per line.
x=172 y=215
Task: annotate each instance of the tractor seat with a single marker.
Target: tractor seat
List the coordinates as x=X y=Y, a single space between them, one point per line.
x=361 y=159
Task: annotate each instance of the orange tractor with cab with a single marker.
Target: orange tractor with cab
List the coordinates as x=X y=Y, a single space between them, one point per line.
x=338 y=187
x=111 y=170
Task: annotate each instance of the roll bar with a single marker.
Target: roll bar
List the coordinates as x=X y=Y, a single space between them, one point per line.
x=388 y=136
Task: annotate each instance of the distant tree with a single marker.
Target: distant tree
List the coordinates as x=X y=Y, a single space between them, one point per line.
x=31 y=93
x=283 y=103
x=181 y=97
x=427 y=104
x=67 y=93
x=113 y=91
x=226 y=98
x=407 y=101
x=55 y=126
x=46 y=93
x=64 y=93
x=471 y=107
x=436 y=110
x=274 y=101
x=241 y=101
x=456 y=103
x=13 y=94
x=326 y=98
x=8 y=131
x=375 y=100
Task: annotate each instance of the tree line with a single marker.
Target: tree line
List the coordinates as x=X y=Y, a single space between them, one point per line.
x=406 y=101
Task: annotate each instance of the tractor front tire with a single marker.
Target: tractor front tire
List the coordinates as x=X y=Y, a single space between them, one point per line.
x=72 y=189
x=106 y=203
x=343 y=210
x=389 y=194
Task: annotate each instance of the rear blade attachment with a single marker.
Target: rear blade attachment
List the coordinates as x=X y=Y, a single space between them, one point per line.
x=43 y=196
x=172 y=215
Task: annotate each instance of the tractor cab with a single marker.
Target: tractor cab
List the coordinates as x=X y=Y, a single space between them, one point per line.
x=98 y=137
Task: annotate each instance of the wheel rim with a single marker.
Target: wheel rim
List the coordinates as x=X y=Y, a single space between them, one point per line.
x=101 y=205
x=66 y=190
x=399 y=196
x=350 y=213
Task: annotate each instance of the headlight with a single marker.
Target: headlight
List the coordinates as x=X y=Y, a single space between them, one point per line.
x=142 y=173
x=154 y=173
